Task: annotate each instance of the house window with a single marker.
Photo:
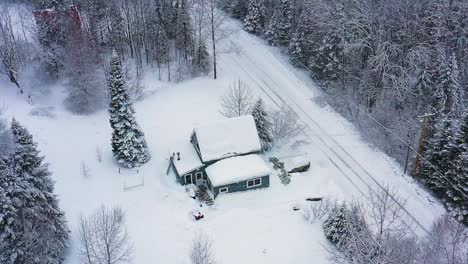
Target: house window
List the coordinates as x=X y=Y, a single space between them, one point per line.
x=199 y=175
x=188 y=179
x=223 y=190
x=254 y=183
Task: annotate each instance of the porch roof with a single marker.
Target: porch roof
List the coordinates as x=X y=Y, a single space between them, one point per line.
x=237 y=169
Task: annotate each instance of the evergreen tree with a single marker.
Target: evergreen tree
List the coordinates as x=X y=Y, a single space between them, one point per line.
x=334 y=225
x=345 y=224
x=254 y=21
x=438 y=155
x=41 y=224
x=301 y=45
x=423 y=90
x=279 y=29
x=263 y=125
x=201 y=63
x=325 y=61
x=128 y=141
x=49 y=4
x=10 y=202
x=239 y=8
x=458 y=203
x=448 y=94
x=271 y=34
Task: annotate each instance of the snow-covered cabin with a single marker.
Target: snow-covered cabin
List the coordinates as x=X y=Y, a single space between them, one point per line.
x=223 y=157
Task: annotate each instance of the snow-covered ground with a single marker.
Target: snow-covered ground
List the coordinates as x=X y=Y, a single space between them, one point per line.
x=251 y=227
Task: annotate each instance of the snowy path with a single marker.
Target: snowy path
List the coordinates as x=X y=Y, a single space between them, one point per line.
x=361 y=166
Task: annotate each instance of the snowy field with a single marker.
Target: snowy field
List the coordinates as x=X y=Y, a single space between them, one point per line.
x=251 y=227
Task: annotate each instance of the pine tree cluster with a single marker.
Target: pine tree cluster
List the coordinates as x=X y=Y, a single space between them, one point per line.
x=342 y=222
x=279 y=28
x=32 y=227
x=128 y=141
x=444 y=168
x=254 y=22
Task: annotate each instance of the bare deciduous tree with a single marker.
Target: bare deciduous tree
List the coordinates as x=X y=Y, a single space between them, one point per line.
x=447 y=243
x=201 y=252
x=237 y=101
x=285 y=123
x=8 y=52
x=385 y=211
x=384 y=238
x=318 y=210
x=104 y=238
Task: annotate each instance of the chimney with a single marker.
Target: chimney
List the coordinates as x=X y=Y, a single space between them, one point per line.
x=178 y=155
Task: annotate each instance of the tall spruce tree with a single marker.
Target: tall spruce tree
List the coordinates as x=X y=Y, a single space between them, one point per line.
x=43 y=233
x=422 y=90
x=11 y=202
x=254 y=22
x=301 y=45
x=458 y=202
x=128 y=141
x=201 y=62
x=279 y=28
x=263 y=125
x=448 y=93
x=438 y=155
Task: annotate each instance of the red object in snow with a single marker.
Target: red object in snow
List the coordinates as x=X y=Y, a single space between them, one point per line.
x=199 y=216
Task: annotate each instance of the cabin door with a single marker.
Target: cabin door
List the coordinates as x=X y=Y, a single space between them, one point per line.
x=199 y=180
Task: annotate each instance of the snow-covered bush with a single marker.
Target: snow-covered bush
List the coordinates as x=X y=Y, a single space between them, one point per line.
x=201 y=251
x=318 y=211
x=283 y=174
x=285 y=124
x=343 y=223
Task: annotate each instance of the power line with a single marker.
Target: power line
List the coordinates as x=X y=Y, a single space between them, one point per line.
x=332 y=151
x=397 y=137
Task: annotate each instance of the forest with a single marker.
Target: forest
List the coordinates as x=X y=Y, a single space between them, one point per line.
x=386 y=66
x=396 y=69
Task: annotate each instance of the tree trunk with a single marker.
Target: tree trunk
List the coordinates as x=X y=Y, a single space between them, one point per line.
x=215 y=73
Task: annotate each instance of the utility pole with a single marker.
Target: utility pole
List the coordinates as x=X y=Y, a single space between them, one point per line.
x=422 y=141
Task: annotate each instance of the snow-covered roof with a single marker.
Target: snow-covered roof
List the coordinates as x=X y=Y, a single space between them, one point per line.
x=237 y=169
x=227 y=138
x=295 y=162
x=189 y=160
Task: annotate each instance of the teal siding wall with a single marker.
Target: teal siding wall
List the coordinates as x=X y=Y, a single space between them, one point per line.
x=242 y=186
